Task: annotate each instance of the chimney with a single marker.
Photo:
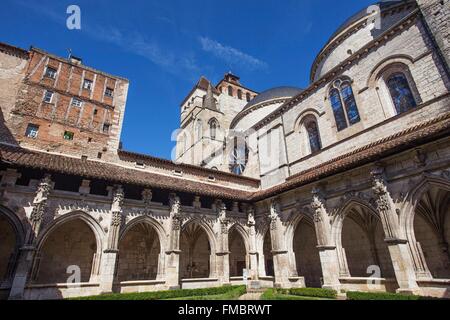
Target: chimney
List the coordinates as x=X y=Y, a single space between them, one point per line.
x=75 y=60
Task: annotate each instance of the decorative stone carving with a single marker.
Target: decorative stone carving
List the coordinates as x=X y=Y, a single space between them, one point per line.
x=420 y=157
x=40 y=200
x=274 y=214
x=147 y=196
x=116 y=219
x=197 y=203
x=175 y=211
x=118 y=197
x=251 y=217
x=223 y=217
x=320 y=217
x=384 y=203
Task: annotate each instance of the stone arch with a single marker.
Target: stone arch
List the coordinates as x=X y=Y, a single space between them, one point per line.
x=141 y=250
x=302 y=244
x=426 y=225
x=239 y=250
x=305 y=139
x=198 y=250
x=75 y=239
x=377 y=70
x=377 y=79
x=12 y=237
x=359 y=237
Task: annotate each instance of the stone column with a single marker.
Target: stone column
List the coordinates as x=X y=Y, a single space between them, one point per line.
x=327 y=248
x=398 y=247
x=28 y=251
x=172 y=261
x=279 y=250
x=223 y=253
x=109 y=258
x=252 y=250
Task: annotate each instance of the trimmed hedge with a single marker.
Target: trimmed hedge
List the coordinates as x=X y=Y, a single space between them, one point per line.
x=354 y=295
x=298 y=294
x=169 y=294
x=313 y=292
x=230 y=295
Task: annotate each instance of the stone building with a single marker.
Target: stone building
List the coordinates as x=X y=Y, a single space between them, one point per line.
x=344 y=184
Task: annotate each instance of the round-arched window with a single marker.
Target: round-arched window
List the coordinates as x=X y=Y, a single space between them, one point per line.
x=238 y=156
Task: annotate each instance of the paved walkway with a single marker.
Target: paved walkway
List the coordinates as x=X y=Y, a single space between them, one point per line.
x=251 y=296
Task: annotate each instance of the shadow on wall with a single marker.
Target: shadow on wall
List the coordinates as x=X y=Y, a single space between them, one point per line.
x=5 y=134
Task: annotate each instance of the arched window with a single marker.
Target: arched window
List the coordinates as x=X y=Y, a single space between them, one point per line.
x=313 y=136
x=248 y=97
x=239 y=94
x=198 y=130
x=238 y=156
x=213 y=125
x=342 y=98
x=230 y=91
x=401 y=93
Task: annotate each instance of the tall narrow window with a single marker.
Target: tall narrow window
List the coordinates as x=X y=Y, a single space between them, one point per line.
x=239 y=94
x=213 y=128
x=198 y=129
x=350 y=103
x=48 y=96
x=248 y=97
x=341 y=96
x=238 y=156
x=313 y=136
x=338 y=110
x=401 y=93
x=230 y=91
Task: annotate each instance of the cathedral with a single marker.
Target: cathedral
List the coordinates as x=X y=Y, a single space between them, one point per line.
x=344 y=184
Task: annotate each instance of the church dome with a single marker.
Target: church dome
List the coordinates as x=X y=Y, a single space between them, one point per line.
x=262 y=105
x=274 y=93
x=356 y=32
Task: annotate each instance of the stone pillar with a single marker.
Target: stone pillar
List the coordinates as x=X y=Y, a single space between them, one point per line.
x=223 y=253
x=327 y=249
x=109 y=258
x=252 y=250
x=28 y=251
x=398 y=247
x=279 y=250
x=172 y=261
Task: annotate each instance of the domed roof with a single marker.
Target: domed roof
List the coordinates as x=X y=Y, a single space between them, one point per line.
x=274 y=93
x=362 y=13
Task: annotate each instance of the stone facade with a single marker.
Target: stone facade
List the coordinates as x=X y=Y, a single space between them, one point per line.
x=361 y=206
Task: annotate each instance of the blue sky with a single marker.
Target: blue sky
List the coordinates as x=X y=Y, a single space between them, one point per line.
x=163 y=47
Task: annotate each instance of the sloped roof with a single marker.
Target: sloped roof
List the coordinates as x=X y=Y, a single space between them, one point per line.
x=417 y=135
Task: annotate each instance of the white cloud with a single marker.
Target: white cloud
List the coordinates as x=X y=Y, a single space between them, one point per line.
x=231 y=55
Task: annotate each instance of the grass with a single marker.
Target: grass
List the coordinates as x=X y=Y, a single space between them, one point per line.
x=217 y=293
x=280 y=294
